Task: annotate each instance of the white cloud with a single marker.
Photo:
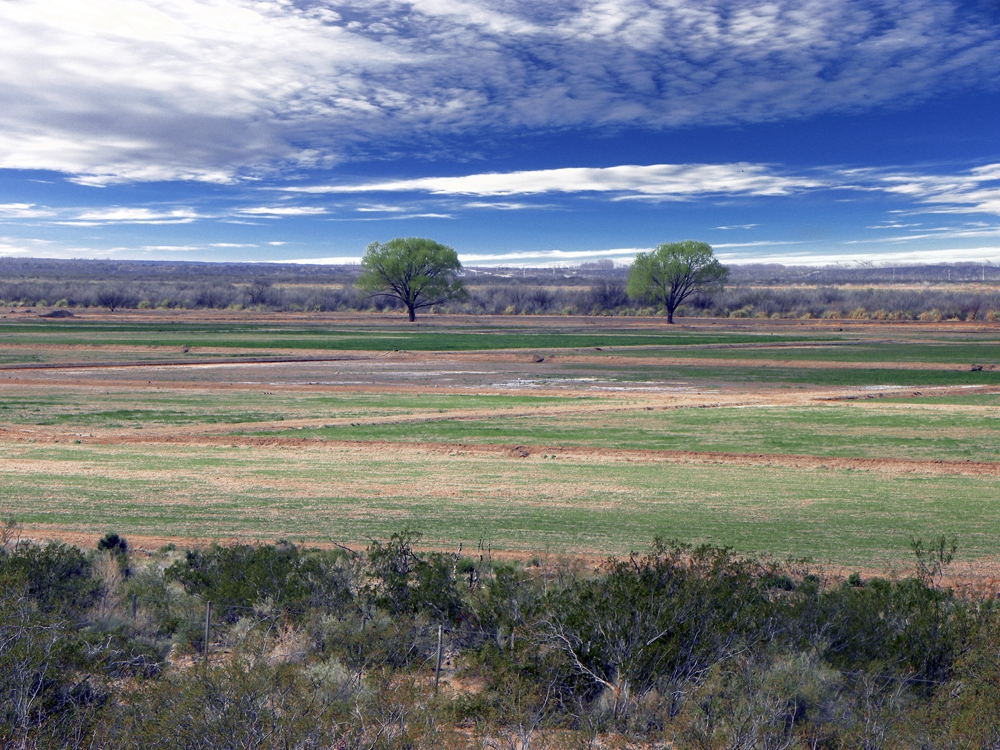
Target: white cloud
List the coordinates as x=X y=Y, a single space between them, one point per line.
x=216 y=90
x=397 y=217
x=501 y=205
x=7 y=249
x=660 y=181
x=275 y=212
x=939 y=233
x=23 y=211
x=381 y=208
x=337 y=261
x=759 y=243
x=117 y=215
x=548 y=257
x=902 y=257
x=975 y=190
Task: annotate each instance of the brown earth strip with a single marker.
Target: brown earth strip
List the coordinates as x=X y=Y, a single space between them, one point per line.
x=577 y=356
x=894 y=466
x=167 y=363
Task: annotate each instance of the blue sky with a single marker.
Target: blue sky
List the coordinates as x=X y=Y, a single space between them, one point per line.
x=518 y=132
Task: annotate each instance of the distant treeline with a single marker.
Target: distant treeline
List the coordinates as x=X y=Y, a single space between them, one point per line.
x=690 y=648
x=961 y=291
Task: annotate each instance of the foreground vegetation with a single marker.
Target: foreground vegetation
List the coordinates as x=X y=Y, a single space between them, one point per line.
x=686 y=647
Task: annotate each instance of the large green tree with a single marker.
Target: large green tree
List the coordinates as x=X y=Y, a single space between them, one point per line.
x=416 y=271
x=674 y=271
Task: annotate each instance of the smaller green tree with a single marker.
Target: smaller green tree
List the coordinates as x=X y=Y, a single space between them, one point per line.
x=416 y=271
x=674 y=271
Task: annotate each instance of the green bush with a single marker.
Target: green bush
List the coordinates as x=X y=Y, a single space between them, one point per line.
x=905 y=626
x=55 y=575
x=406 y=583
x=238 y=578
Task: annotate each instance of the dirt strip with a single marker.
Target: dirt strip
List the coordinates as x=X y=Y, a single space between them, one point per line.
x=581 y=454
x=619 y=356
x=104 y=365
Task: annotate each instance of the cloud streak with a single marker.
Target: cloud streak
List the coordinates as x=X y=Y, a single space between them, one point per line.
x=972 y=191
x=23 y=211
x=99 y=217
x=975 y=190
x=655 y=181
x=277 y=212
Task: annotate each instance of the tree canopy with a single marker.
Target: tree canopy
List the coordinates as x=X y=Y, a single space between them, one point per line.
x=418 y=272
x=674 y=271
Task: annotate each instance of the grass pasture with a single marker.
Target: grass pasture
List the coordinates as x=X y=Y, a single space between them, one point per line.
x=832 y=442
x=559 y=504
x=841 y=429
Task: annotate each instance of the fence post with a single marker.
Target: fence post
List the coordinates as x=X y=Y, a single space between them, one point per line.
x=208 y=627
x=437 y=669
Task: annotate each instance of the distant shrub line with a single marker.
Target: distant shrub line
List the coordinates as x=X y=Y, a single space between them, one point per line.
x=309 y=648
x=591 y=289
x=602 y=299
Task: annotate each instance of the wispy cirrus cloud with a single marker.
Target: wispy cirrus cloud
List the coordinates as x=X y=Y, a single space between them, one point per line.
x=23 y=211
x=277 y=212
x=657 y=181
x=972 y=191
x=220 y=90
x=500 y=205
x=118 y=215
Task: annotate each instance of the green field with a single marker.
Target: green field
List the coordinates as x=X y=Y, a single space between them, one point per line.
x=317 y=494
x=266 y=338
x=951 y=352
x=102 y=409
x=829 y=430
x=360 y=446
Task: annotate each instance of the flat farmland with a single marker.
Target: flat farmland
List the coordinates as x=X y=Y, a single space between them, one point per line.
x=835 y=441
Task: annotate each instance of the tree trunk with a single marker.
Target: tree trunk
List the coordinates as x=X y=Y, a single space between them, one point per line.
x=670 y=315
x=412 y=311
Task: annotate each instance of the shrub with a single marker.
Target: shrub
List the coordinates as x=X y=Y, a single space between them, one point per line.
x=246 y=703
x=239 y=577
x=112 y=542
x=658 y=622
x=405 y=583
x=905 y=626
x=56 y=575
